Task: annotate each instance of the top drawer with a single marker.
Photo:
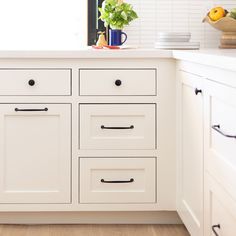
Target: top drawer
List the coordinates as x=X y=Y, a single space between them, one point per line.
x=35 y=82
x=220 y=135
x=118 y=82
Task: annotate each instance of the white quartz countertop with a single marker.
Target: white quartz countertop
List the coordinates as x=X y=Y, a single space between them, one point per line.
x=212 y=57
x=221 y=58
x=88 y=53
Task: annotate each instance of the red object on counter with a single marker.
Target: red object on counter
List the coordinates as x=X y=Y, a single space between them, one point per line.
x=106 y=47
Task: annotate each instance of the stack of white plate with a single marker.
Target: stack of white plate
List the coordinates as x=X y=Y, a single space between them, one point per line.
x=175 y=41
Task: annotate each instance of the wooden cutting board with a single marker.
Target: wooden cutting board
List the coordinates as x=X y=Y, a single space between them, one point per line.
x=228 y=40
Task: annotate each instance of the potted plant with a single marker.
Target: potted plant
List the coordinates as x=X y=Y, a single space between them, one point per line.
x=117 y=14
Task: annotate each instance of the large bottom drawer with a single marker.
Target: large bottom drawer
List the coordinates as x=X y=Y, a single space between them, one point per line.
x=220 y=210
x=117 y=180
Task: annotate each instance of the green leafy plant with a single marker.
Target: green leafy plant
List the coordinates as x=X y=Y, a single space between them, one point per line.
x=117 y=14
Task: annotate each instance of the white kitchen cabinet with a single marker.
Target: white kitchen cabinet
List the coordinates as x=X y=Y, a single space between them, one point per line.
x=105 y=119
x=35 y=153
x=190 y=152
x=213 y=137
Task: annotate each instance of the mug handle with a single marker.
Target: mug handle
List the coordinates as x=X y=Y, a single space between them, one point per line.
x=125 y=37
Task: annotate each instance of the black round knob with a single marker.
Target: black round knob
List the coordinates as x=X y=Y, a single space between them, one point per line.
x=118 y=82
x=31 y=82
x=197 y=91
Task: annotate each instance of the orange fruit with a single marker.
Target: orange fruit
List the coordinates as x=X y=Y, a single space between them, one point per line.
x=217 y=13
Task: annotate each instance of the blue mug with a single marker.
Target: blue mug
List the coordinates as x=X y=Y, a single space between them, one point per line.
x=115 y=37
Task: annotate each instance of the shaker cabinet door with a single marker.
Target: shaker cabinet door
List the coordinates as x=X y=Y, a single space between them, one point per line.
x=190 y=152
x=35 y=153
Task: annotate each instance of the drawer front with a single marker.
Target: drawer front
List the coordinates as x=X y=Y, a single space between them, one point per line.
x=35 y=82
x=221 y=135
x=118 y=82
x=117 y=180
x=117 y=126
x=223 y=221
x=223 y=117
x=222 y=208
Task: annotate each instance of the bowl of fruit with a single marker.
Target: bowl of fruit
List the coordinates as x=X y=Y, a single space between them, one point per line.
x=225 y=21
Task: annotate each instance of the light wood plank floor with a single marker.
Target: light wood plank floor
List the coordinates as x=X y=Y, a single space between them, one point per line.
x=93 y=230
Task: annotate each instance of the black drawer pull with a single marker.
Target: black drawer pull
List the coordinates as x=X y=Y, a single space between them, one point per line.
x=45 y=109
x=214 y=227
x=217 y=129
x=117 y=181
x=197 y=91
x=104 y=127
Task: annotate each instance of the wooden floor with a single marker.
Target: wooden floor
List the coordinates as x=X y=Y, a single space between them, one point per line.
x=93 y=230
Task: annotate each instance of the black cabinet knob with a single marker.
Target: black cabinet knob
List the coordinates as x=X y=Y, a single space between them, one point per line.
x=31 y=82
x=197 y=91
x=118 y=82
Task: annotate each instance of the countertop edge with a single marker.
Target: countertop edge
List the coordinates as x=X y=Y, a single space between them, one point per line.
x=210 y=58
x=88 y=54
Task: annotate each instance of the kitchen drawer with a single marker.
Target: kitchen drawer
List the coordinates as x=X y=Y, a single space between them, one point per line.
x=117 y=126
x=221 y=134
x=118 y=82
x=117 y=180
x=35 y=82
x=222 y=212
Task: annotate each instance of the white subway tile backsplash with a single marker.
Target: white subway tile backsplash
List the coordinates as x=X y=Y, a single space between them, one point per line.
x=176 y=16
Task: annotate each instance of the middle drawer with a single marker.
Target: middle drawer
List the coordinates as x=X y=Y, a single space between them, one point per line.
x=118 y=126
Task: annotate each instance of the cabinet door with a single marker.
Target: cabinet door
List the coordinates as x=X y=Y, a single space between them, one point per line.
x=190 y=152
x=35 y=153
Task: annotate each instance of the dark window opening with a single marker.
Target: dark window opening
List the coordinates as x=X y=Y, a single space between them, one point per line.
x=94 y=24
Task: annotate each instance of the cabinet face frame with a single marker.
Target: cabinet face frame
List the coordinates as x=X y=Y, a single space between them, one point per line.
x=189 y=207
x=164 y=100
x=54 y=152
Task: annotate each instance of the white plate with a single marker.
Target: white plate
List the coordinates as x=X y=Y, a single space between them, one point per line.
x=177 y=47
x=181 y=44
x=173 y=34
x=183 y=39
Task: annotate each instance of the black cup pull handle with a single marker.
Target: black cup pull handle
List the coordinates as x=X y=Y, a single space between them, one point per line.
x=104 y=127
x=197 y=91
x=117 y=181
x=214 y=229
x=217 y=129
x=45 y=109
